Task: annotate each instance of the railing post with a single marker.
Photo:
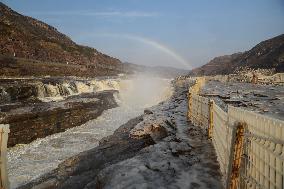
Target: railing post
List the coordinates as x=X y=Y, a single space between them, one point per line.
x=235 y=156
x=189 y=112
x=199 y=111
x=210 y=121
x=4 y=130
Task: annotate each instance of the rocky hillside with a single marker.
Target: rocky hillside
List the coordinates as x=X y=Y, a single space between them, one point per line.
x=28 y=38
x=268 y=54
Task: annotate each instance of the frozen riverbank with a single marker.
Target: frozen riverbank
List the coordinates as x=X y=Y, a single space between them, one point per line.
x=263 y=99
x=157 y=150
x=27 y=162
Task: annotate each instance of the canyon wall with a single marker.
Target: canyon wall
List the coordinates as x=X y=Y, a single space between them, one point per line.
x=38 y=108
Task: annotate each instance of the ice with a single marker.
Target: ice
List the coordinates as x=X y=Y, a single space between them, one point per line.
x=27 y=162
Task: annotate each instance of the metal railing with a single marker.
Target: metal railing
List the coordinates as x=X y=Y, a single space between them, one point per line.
x=221 y=137
x=249 y=146
x=262 y=163
x=4 y=131
x=200 y=116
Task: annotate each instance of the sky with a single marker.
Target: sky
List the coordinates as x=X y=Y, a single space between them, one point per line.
x=177 y=33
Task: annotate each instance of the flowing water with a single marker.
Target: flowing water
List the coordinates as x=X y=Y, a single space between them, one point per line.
x=27 y=162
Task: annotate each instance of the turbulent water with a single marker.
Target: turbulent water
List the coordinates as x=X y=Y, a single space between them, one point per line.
x=27 y=162
x=52 y=89
x=56 y=92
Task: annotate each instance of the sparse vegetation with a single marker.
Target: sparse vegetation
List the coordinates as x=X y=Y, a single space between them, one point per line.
x=266 y=55
x=31 y=39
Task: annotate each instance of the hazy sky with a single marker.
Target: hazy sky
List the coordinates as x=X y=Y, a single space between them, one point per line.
x=179 y=33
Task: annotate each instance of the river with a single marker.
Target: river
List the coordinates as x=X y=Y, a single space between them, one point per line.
x=29 y=161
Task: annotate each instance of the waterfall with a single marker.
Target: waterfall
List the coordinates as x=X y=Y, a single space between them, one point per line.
x=70 y=88
x=83 y=87
x=58 y=91
x=41 y=92
x=101 y=85
x=137 y=88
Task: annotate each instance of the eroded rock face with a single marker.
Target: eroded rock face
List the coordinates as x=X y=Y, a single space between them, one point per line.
x=134 y=157
x=38 y=107
x=265 y=55
x=29 y=121
x=155 y=127
x=38 y=44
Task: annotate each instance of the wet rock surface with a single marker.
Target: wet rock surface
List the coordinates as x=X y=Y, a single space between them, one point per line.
x=263 y=99
x=38 y=107
x=13 y=90
x=78 y=171
x=30 y=121
x=157 y=150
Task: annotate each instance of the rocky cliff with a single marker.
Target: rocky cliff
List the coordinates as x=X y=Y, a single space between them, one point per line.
x=36 y=108
x=29 y=121
x=29 y=47
x=30 y=39
x=268 y=54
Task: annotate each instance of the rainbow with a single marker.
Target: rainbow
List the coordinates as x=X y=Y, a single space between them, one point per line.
x=159 y=46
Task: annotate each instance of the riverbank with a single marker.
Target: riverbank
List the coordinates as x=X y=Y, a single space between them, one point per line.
x=157 y=150
x=45 y=154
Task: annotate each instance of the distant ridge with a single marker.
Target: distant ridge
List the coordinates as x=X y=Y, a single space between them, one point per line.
x=268 y=54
